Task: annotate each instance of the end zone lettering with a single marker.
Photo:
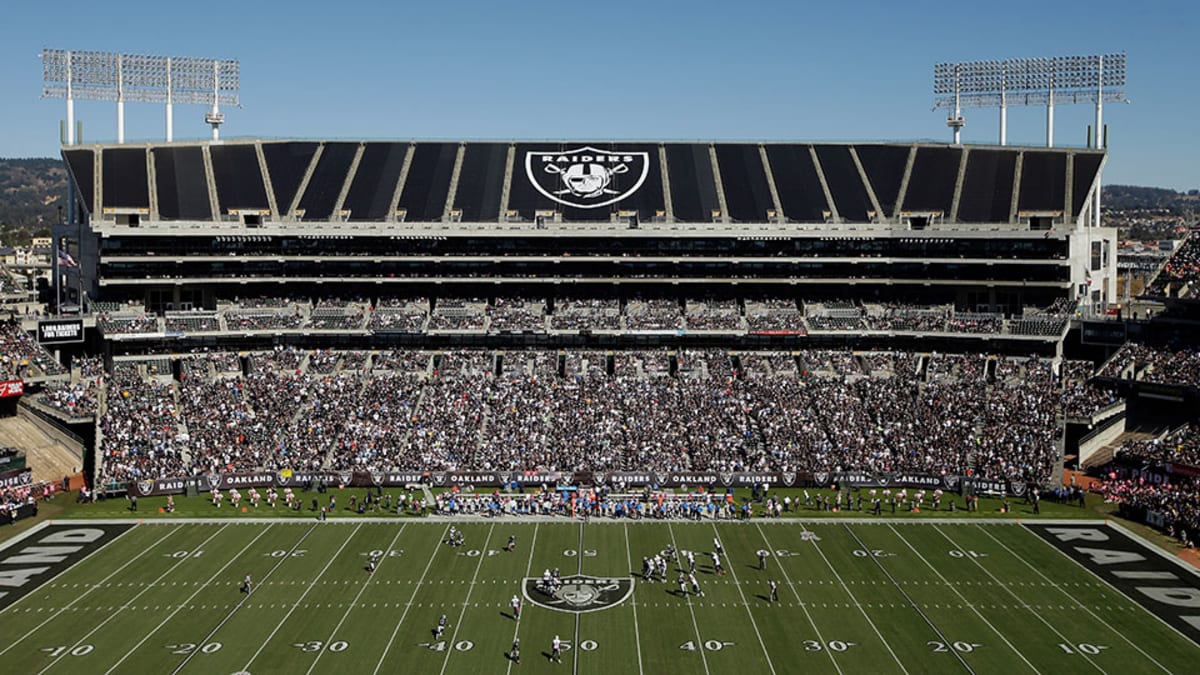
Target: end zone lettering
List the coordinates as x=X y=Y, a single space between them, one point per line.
x=45 y=553
x=1166 y=589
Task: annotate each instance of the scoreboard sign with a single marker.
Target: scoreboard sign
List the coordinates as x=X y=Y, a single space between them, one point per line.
x=1111 y=333
x=12 y=388
x=60 y=331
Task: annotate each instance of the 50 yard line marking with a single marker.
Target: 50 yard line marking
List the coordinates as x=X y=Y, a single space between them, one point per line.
x=1073 y=600
x=189 y=599
x=312 y=584
x=528 y=570
x=749 y=613
x=637 y=636
x=93 y=587
x=238 y=606
x=146 y=589
x=338 y=627
x=467 y=601
x=691 y=610
x=803 y=606
x=408 y=606
x=971 y=605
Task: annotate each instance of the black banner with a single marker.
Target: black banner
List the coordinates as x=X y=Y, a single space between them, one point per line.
x=16 y=478
x=609 y=479
x=60 y=332
x=1102 y=333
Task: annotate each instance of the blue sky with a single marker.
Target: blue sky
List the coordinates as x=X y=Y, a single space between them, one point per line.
x=632 y=70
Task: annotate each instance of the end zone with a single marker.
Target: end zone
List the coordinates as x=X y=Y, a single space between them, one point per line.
x=45 y=552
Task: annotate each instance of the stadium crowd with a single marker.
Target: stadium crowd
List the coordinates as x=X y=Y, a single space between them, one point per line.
x=516 y=410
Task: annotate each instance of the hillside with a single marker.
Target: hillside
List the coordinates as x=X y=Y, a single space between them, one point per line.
x=31 y=190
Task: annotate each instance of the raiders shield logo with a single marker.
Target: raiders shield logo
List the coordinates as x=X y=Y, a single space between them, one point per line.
x=1018 y=489
x=661 y=477
x=578 y=593
x=789 y=478
x=439 y=477
x=951 y=482
x=377 y=477
x=344 y=477
x=727 y=478
x=587 y=178
x=214 y=480
x=145 y=487
x=820 y=477
x=598 y=478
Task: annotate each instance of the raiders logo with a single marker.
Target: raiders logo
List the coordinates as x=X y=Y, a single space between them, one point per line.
x=789 y=478
x=821 y=477
x=598 y=478
x=568 y=478
x=587 y=178
x=1018 y=489
x=438 y=477
x=214 y=480
x=727 y=477
x=344 y=477
x=145 y=487
x=377 y=477
x=661 y=477
x=951 y=482
x=579 y=593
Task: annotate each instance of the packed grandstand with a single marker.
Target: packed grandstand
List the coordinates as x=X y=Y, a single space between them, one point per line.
x=267 y=312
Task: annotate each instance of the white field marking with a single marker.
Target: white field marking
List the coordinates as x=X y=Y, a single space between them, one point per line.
x=788 y=579
x=637 y=636
x=91 y=587
x=749 y=613
x=409 y=604
x=467 y=601
x=50 y=581
x=1075 y=602
x=966 y=602
x=912 y=603
x=246 y=597
x=189 y=598
x=350 y=607
x=575 y=645
x=854 y=599
x=127 y=603
x=528 y=570
x=311 y=585
x=691 y=610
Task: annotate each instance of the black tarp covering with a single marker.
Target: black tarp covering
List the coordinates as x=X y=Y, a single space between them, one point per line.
x=747 y=194
x=797 y=182
x=845 y=183
x=238 y=178
x=287 y=163
x=987 y=187
x=125 y=181
x=375 y=180
x=181 y=182
x=428 y=182
x=325 y=185
x=693 y=190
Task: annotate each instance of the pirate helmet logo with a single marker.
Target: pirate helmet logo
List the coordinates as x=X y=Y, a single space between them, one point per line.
x=587 y=177
x=578 y=593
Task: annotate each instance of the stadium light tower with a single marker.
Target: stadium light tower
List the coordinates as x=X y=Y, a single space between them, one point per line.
x=108 y=76
x=1025 y=82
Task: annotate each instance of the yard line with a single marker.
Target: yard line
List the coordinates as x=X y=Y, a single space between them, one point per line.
x=733 y=571
x=528 y=570
x=909 y=598
x=145 y=589
x=971 y=605
x=467 y=601
x=243 y=600
x=1073 y=600
x=788 y=579
x=856 y=602
x=412 y=597
x=356 y=597
x=91 y=588
x=189 y=599
x=575 y=645
x=691 y=610
x=311 y=585
x=637 y=636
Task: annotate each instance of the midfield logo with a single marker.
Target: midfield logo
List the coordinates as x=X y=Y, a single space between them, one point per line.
x=579 y=593
x=587 y=178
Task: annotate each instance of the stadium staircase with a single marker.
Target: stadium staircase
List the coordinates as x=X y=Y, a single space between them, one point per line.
x=1106 y=453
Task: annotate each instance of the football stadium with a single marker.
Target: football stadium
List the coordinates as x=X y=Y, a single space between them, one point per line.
x=600 y=407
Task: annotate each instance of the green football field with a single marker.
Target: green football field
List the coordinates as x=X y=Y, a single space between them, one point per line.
x=853 y=597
